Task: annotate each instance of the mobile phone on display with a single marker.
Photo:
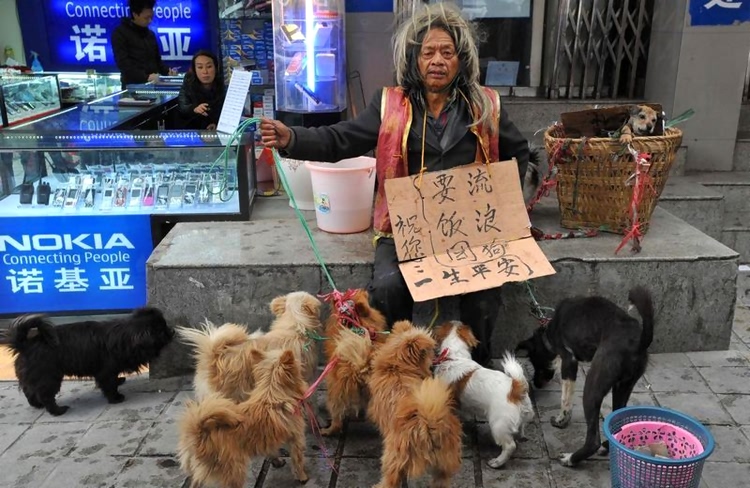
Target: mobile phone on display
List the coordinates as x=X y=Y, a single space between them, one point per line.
x=107 y=196
x=72 y=198
x=162 y=196
x=188 y=198
x=59 y=199
x=175 y=194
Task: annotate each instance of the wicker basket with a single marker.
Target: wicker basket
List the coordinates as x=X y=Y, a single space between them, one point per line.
x=592 y=176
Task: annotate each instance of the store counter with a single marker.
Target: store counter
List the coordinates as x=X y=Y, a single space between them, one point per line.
x=108 y=113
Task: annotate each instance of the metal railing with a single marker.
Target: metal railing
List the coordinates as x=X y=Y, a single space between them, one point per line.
x=599 y=48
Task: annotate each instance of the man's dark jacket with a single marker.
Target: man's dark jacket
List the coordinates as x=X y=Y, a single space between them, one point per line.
x=457 y=146
x=136 y=53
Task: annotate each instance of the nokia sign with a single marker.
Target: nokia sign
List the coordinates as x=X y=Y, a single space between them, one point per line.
x=66 y=242
x=73 y=263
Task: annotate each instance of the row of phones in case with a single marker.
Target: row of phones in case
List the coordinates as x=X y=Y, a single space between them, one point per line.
x=124 y=194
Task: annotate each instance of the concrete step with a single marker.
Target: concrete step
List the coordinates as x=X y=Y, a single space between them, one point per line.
x=737 y=238
x=224 y=272
x=735 y=186
x=742 y=151
x=698 y=205
x=744 y=122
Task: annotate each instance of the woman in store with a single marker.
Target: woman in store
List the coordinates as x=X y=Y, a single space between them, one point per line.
x=202 y=93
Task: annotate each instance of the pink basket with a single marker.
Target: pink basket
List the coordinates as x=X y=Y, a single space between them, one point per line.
x=681 y=444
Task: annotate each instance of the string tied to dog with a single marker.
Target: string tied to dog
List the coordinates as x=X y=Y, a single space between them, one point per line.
x=642 y=182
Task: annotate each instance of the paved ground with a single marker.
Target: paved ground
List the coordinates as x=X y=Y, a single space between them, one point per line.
x=133 y=444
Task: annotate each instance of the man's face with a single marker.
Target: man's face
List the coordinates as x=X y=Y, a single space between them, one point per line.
x=144 y=18
x=438 y=62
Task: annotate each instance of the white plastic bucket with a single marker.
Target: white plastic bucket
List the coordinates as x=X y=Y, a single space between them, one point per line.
x=343 y=194
x=300 y=183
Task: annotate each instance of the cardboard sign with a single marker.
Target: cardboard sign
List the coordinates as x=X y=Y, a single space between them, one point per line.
x=463 y=230
x=598 y=122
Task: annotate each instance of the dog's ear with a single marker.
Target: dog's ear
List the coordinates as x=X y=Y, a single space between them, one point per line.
x=362 y=308
x=287 y=359
x=442 y=331
x=256 y=355
x=466 y=335
x=278 y=305
x=401 y=326
x=311 y=307
x=633 y=110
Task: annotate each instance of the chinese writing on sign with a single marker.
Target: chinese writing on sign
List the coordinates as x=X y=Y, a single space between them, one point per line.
x=28 y=281
x=722 y=4
x=175 y=42
x=91 y=44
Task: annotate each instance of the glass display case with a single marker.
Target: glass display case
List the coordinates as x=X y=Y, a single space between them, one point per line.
x=25 y=97
x=85 y=87
x=309 y=56
x=82 y=212
x=169 y=174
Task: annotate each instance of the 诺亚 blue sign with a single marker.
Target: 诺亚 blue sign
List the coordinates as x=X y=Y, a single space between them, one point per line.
x=73 y=263
x=79 y=33
x=719 y=12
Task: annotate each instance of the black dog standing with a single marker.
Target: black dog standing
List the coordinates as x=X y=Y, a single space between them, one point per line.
x=90 y=349
x=595 y=330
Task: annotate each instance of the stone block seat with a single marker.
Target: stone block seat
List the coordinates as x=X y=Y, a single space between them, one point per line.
x=230 y=271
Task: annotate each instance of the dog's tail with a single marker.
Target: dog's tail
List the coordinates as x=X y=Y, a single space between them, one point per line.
x=353 y=351
x=430 y=423
x=641 y=300
x=519 y=389
x=202 y=426
x=16 y=338
x=210 y=342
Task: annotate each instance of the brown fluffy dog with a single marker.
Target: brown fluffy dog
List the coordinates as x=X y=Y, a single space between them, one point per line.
x=347 y=380
x=641 y=122
x=224 y=358
x=218 y=437
x=413 y=410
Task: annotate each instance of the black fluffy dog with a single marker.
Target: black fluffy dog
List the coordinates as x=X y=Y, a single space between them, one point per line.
x=44 y=353
x=595 y=330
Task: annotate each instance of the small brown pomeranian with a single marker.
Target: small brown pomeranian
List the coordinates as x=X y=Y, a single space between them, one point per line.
x=218 y=437
x=414 y=411
x=347 y=380
x=224 y=355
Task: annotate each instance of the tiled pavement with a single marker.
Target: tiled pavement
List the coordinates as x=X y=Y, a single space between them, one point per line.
x=133 y=444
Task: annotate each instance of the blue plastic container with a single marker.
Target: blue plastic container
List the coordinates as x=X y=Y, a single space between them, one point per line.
x=632 y=469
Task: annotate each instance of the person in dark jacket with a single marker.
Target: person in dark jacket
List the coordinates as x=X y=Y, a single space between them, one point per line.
x=202 y=93
x=446 y=119
x=135 y=46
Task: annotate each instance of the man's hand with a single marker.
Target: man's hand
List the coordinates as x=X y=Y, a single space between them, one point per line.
x=173 y=71
x=211 y=127
x=153 y=77
x=202 y=109
x=274 y=133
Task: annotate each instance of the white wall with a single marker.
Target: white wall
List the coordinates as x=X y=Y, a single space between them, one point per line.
x=10 y=31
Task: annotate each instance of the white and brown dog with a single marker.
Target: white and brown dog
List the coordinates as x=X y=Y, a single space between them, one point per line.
x=503 y=398
x=641 y=122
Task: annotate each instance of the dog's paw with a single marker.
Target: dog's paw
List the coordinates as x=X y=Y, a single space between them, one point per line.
x=58 y=410
x=495 y=463
x=277 y=462
x=119 y=398
x=565 y=459
x=603 y=449
x=561 y=420
x=626 y=139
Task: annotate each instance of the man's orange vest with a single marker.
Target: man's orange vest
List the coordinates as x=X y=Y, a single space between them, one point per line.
x=396 y=118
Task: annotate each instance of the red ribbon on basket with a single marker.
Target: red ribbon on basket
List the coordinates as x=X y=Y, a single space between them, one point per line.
x=642 y=182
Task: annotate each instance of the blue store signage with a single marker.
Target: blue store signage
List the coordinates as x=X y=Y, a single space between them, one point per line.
x=78 y=33
x=73 y=263
x=357 y=6
x=719 y=12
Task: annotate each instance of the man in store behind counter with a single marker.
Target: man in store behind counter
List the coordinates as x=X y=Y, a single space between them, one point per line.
x=135 y=46
x=448 y=120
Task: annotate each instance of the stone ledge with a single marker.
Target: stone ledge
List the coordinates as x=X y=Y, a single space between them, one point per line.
x=229 y=271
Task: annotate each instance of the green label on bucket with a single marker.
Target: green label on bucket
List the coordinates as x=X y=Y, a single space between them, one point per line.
x=322 y=203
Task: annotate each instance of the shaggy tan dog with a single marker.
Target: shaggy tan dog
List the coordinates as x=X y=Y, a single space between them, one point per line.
x=218 y=437
x=224 y=355
x=413 y=410
x=347 y=380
